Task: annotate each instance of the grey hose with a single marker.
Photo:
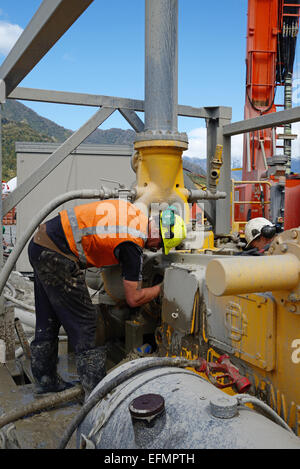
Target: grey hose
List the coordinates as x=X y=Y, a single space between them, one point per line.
x=19 y=303
x=247 y=398
x=116 y=381
x=102 y=193
x=12 y=289
x=43 y=403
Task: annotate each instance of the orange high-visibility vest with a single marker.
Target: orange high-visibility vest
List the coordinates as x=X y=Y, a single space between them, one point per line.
x=94 y=230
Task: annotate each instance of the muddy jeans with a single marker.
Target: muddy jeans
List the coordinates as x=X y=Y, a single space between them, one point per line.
x=61 y=298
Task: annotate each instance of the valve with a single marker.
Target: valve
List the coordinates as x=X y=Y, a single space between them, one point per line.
x=230 y=372
x=215 y=166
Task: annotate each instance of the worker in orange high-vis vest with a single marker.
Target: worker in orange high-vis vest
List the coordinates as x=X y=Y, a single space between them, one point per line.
x=97 y=234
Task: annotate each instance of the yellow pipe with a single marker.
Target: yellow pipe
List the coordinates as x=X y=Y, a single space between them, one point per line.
x=158 y=165
x=252 y=274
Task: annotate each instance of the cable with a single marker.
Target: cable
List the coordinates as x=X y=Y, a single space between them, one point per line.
x=247 y=398
x=261 y=111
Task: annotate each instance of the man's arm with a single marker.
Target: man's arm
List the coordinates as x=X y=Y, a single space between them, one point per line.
x=130 y=257
x=137 y=296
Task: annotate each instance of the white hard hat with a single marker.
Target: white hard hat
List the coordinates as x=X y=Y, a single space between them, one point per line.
x=253 y=228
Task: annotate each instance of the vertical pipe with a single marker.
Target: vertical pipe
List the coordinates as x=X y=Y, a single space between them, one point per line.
x=248 y=152
x=1 y=216
x=274 y=141
x=223 y=207
x=211 y=142
x=219 y=210
x=161 y=65
x=288 y=127
x=160 y=146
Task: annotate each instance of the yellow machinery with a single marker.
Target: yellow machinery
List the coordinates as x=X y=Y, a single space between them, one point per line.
x=217 y=305
x=247 y=308
x=237 y=316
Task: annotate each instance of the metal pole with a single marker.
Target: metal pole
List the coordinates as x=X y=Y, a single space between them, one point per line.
x=211 y=142
x=219 y=210
x=161 y=64
x=223 y=222
x=159 y=147
x=288 y=127
x=1 y=216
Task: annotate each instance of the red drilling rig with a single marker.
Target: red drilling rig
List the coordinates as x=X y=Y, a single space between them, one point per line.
x=268 y=187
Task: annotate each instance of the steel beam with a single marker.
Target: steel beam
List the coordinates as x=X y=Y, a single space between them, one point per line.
x=77 y=99
x=56 y=158
x=267 y=121
x=51 y=21
x=84 y=99
x=133 y=119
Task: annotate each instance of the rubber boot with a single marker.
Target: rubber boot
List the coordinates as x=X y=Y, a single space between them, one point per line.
x=44 y=356
x=91 y=368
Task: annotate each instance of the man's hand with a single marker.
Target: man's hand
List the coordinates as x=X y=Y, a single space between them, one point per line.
x=137 y=296
x=161 y=292
x=158 y=300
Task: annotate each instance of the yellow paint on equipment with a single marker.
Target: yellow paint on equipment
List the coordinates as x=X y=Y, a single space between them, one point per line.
x=159 y=173
x=249 y=327
x=216 y=164
x=249 y=274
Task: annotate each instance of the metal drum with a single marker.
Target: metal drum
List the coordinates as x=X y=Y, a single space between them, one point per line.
x=173 y=408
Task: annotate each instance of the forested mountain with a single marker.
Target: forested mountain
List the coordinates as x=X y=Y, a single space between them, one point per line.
x=17 y=132
x=22 y=124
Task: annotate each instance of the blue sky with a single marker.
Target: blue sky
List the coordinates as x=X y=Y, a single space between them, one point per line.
x=103 y=53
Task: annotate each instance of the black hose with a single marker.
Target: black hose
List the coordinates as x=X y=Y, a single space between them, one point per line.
x=140 y=365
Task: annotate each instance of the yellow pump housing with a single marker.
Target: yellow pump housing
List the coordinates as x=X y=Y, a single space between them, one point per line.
x=159 y=173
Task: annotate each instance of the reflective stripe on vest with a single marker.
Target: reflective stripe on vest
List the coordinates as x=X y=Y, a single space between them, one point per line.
x=78 y=233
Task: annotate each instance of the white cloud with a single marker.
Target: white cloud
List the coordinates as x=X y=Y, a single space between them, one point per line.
x=197 y=145
x=237 y=148
x=9 y=33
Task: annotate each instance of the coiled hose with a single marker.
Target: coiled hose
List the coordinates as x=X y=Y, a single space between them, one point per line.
x=107 y=387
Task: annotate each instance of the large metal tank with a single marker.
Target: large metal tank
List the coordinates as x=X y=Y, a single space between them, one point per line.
x=174 y=408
